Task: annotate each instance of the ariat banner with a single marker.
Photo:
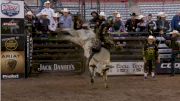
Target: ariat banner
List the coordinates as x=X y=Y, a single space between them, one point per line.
x=12 y=62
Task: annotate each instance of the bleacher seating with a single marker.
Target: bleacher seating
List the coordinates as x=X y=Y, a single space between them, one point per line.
x=170 y=9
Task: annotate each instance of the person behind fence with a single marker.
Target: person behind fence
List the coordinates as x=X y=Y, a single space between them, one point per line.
x=115 y=15
x=101 y=19
x=131 y=24
x=162 y=23
x=101 y=23
x=150 y=25
x=66 y=19
x=48 y=10
x=54 y=23
x=118 y=25
x=141 y=26
x=150 y=58
x=94 y=20
x=29 y=22
x=43 y=23
x=175 y=49
x=78 y=22
x=175 y=22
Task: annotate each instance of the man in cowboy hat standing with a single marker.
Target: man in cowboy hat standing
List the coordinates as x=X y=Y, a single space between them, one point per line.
x=175 y=22
x=66 y=19
x=162 y=23
x=150 y=57
x=29 y=20
x=131 y=24
x=141 y=26
x=94 y=20
x=150 y=25
x=175 y=49
x=48 y=10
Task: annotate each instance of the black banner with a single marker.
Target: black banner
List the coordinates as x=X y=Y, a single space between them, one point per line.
x=12 y=26
x=12 y=43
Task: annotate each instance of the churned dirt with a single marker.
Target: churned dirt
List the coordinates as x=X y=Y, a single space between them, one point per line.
x=56 y=87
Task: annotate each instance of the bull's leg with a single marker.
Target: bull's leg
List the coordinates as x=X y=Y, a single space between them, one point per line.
x=105 y=78
x=92 y=73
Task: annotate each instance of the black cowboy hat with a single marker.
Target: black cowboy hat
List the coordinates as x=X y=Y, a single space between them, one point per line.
x=94 y=12
x=150 y=14
x=133 y=14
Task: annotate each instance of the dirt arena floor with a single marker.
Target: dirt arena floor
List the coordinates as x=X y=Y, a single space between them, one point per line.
x=55 y=87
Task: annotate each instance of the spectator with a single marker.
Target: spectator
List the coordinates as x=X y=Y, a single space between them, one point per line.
x=150 y=25
x=175 y=49
x=101 y=24
x=118 y=25
x=175 y=23
x=54 y=23
x=29 y=22
x=141 y=26
x=77 y=22
x=131 y=24
x=95 y=18
x=66 y=19
x=44 y=23
x=162 y=23
x=114 y=15
x=47 y=10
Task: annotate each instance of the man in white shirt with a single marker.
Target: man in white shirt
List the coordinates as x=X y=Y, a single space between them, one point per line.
x=54 y=22
x=48 y=10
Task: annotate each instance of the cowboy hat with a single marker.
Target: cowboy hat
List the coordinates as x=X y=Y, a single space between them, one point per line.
x=118 y=15
x=160 y=13
x=102 y=14
x=56 y=15
x=94 y=12
x=47 y=2
x=29 y=13
x=140 y=17
x=133 y=14
x=151 y=37
x=65 y=10
x=174 y=32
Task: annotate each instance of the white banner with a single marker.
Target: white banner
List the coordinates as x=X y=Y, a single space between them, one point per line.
x=11 y=9
x=126 y=68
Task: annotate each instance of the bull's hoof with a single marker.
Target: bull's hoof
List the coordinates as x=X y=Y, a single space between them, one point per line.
x=92 y=81
x=106 y=86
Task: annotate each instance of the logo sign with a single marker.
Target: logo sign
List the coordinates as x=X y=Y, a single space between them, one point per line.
x=11 y=45
x=10 y=76
x=10 y=9
x=168 y=65
x=126 y=68
x=56 y=67
x=12 y=62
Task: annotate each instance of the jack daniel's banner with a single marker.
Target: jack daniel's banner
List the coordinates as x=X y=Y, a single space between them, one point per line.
x=12 y=39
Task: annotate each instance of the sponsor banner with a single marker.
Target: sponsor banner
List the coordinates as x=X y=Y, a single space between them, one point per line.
x=11 y=9
x=12 y=26
x=12 y=62
x=166 y=68
x=126 y=68
x=10 y=76
x=61 y=66
x=12 y=43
